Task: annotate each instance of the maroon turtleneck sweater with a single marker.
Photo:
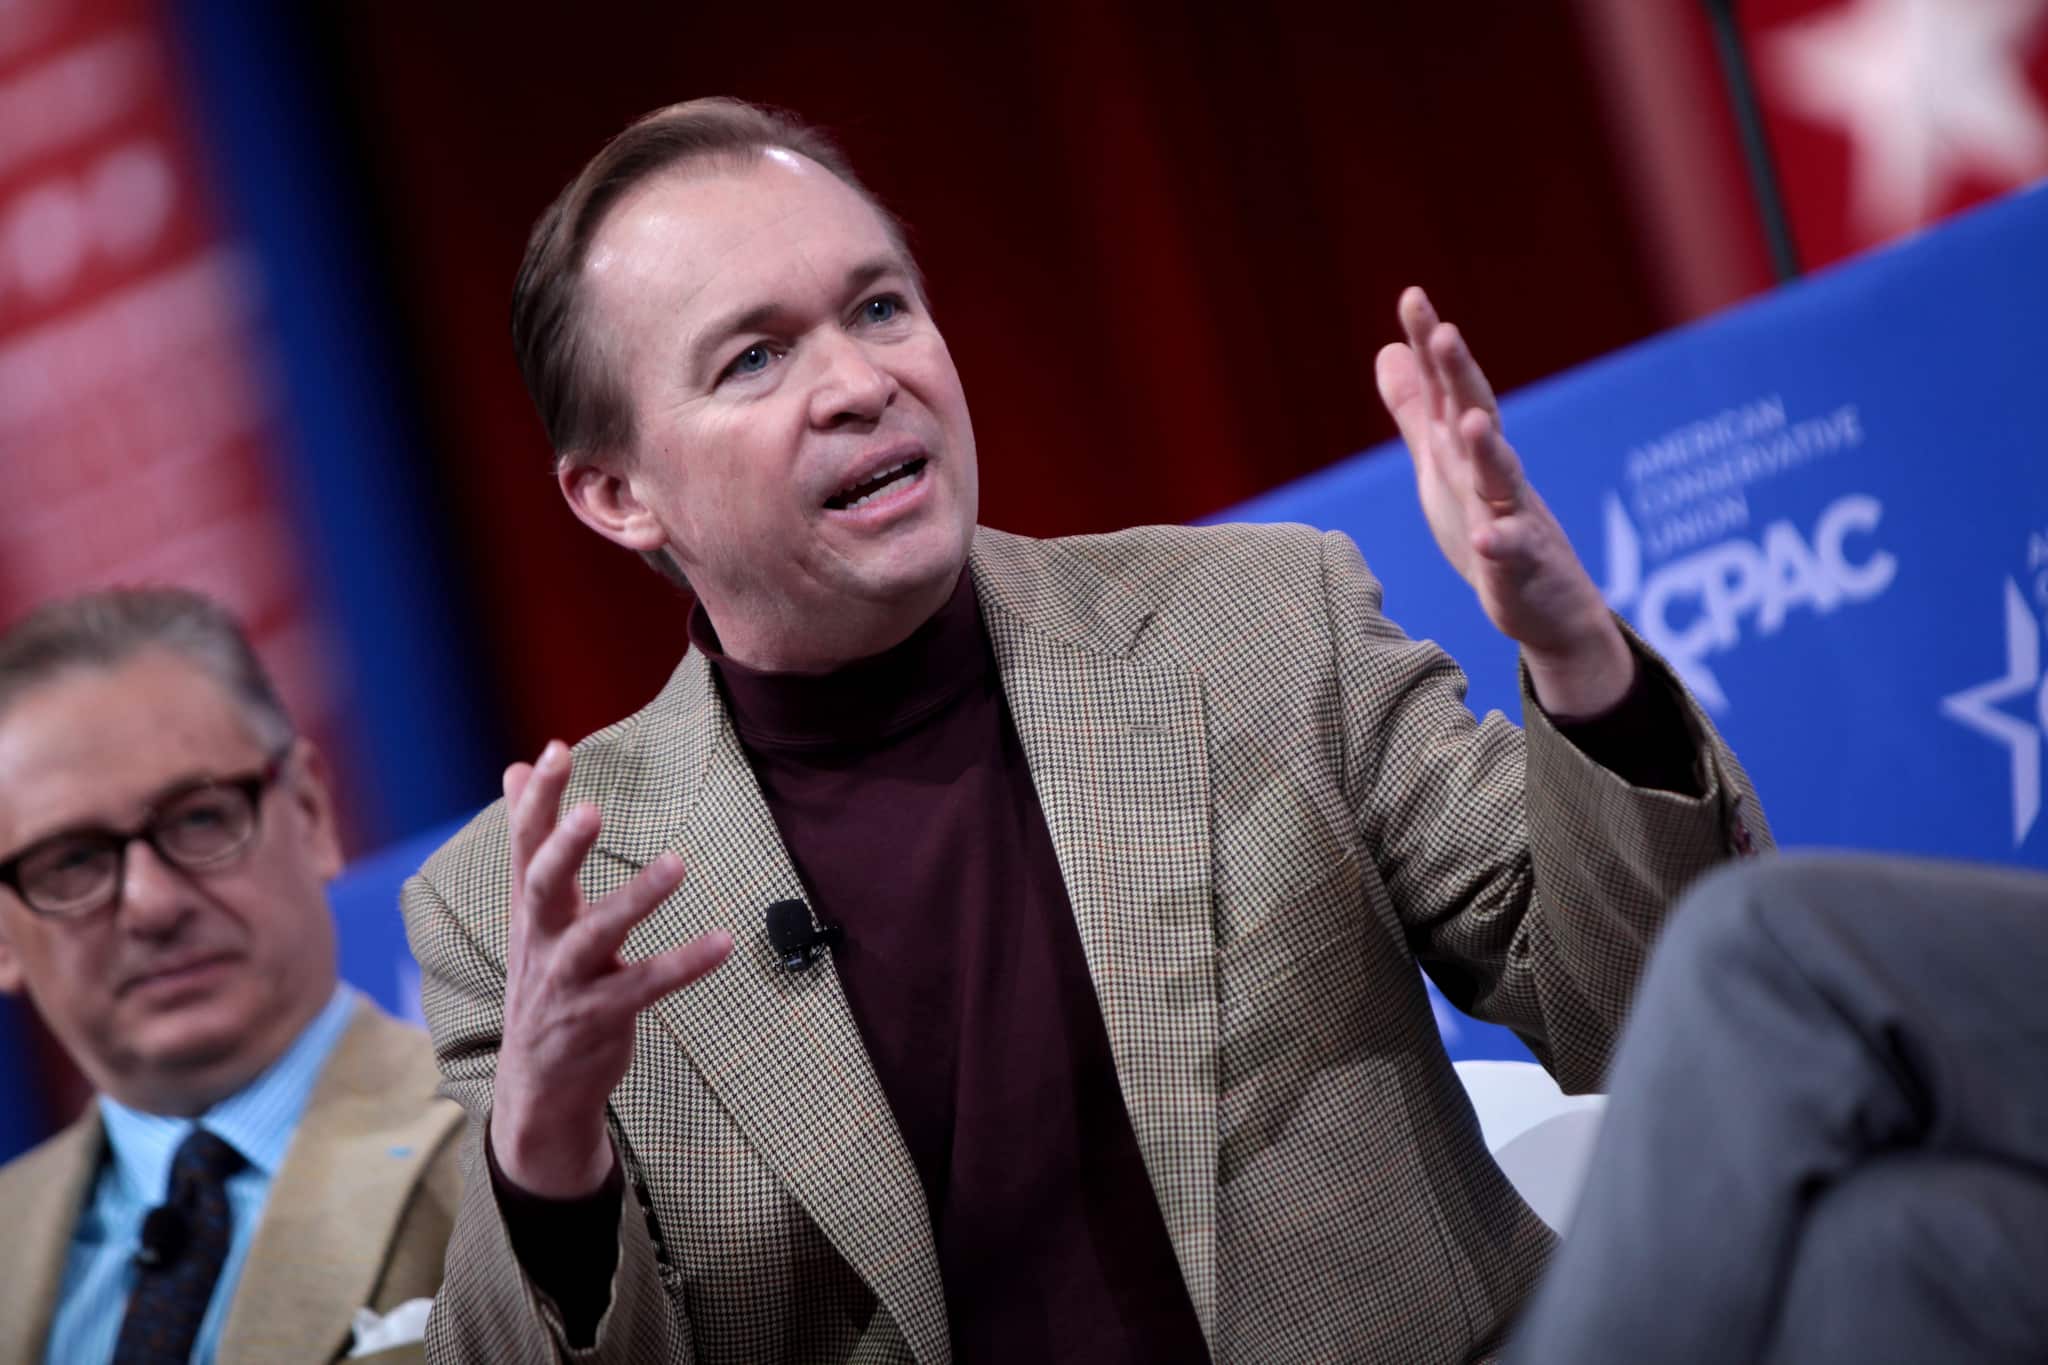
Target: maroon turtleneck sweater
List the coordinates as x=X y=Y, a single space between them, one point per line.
x=899 y=786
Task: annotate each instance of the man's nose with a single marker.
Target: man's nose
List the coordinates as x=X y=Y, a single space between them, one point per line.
x=852 y=386
x=155 y=897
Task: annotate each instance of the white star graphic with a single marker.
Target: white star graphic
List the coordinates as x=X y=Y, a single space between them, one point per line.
x=1927 y=90
x=1977 y=707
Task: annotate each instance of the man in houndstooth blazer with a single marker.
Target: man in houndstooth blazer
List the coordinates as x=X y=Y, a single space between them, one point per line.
x=1267 y=803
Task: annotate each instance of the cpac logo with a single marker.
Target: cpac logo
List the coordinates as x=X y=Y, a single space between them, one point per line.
x=1695 y=606
x=1978 y=707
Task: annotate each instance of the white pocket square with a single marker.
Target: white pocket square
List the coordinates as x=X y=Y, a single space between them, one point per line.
x=402 y=1326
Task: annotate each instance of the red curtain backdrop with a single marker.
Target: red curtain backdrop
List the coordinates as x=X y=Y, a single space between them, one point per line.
x=1165 y=242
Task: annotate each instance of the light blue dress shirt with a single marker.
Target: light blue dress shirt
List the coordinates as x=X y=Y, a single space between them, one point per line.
x=257 y=1121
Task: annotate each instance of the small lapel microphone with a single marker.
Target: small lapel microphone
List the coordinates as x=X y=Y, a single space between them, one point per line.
x=163 y=1237
x=797 y=943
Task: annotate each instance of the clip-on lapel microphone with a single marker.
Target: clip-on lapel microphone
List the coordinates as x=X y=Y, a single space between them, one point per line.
x=797 y=943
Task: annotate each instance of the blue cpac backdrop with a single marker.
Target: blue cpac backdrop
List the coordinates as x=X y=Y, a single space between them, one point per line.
x=1829 y=510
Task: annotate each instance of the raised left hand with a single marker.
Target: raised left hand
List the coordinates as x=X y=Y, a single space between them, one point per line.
x=1490 y=523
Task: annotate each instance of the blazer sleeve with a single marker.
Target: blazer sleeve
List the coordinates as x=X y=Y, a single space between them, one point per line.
x=1530 y=881
x=487 y=1307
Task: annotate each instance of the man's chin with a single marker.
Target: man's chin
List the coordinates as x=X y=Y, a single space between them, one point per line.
x=204 y=1039
x=196 y=1046
x=914 y=566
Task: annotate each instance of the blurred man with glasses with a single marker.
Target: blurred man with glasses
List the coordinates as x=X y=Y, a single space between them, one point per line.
x=266 y=1173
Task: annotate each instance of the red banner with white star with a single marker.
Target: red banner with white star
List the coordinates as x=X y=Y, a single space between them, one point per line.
x=1882 y=116
x=1886 y=115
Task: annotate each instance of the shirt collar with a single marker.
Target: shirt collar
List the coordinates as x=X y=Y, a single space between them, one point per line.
x=863 y=703
x=258 y=1120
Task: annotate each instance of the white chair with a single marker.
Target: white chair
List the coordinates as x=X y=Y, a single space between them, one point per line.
x=1540 y=1137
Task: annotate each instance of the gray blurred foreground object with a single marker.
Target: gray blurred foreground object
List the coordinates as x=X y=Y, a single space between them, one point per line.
x=1827 y=1136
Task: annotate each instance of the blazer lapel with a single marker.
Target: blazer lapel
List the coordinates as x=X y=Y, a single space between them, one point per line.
x=780 y=1050
x=40 y=1198
x=336 y=1201
x=1118 y=753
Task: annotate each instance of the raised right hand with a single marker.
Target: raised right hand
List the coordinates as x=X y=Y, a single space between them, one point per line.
x=1490 y=523
x=570 y=1001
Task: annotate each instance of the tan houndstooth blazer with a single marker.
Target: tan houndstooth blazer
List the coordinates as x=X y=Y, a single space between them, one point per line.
x=1268 y=805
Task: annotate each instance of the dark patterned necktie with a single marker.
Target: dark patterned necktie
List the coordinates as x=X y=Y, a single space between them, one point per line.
x=184 y=1244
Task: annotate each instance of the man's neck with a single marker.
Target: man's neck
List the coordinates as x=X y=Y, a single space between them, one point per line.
x=782 y=641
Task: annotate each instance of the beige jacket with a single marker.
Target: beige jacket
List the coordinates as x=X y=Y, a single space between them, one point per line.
x=1268 y=805
x=349 y=1222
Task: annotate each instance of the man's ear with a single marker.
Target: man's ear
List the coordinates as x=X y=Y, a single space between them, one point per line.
x=604 y=499
x=310 y=788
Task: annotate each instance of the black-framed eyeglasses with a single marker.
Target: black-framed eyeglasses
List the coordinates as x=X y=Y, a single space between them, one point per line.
x=201 y=827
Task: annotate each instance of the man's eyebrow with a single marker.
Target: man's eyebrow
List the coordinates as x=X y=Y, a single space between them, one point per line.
x=714 y=337
x=760 y=316
x=864 y=275
x=150 y=806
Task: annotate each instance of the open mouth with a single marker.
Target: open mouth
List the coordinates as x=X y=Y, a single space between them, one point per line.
x=880 y=484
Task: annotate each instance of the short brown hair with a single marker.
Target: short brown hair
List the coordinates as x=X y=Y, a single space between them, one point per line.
x=107 y=628
x=581 y=405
